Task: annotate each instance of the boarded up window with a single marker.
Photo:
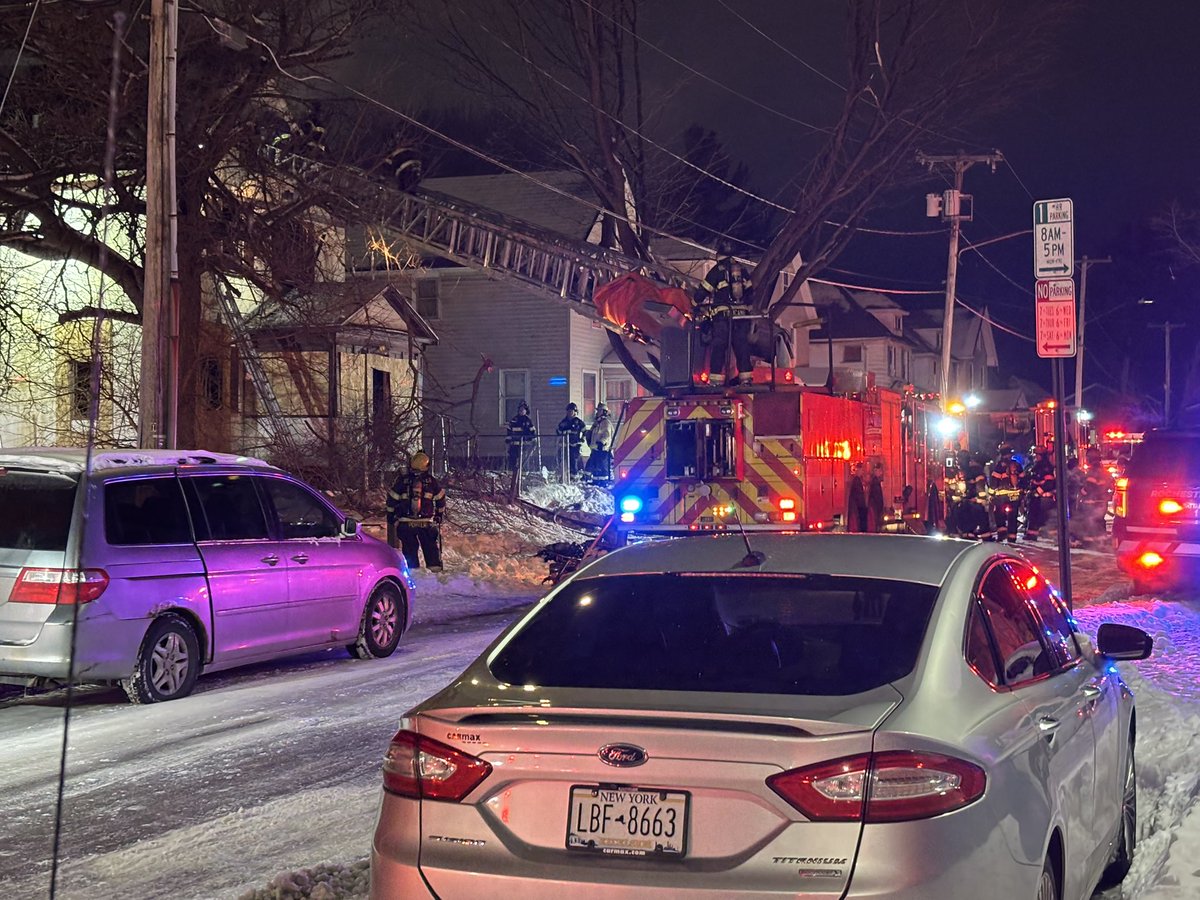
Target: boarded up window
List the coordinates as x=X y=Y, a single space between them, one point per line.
x=428 y=294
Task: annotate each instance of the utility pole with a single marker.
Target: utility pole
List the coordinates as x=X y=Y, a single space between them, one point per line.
x=1084 y=265
x=949 y=206
x=1166 y=329
x=158 y=388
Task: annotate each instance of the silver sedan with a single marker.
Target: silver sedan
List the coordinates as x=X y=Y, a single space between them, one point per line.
x=809 y=716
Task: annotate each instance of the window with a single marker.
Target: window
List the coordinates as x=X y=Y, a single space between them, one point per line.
x=1022 y=654
x=618 y=388
x=852 y=353
x=428 y=297
x=980 y=655
x=79 y=388
x=381 y=395
x=514 y=388
x=229 y=509
x=815 y=635
x=891 y=357
x=701 y=448
x=37 y=510
x=590 y=393
x=210 y=382
x=145 y=511
x=1060 y=633
x=299 y=512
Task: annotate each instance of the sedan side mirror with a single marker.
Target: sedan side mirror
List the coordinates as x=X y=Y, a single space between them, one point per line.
x=349 y=527
x=1123 y=641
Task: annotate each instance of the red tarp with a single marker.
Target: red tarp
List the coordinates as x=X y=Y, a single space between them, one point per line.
x=637 y=302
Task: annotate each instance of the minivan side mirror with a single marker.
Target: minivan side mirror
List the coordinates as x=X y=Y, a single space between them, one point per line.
x=1123 y=641
x=349 y=527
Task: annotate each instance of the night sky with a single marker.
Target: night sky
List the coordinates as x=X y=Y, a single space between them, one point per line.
x=1113 y=124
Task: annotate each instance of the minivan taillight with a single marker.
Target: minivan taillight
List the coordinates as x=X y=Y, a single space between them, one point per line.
x=900 y=785
x=420 y=767
x=66 y=586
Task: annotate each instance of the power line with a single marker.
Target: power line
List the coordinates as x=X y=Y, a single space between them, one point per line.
x=878 y=290
x=20 y=51
x=993 y=322
x=1008 y=162
x=737 y=15
x=699 y=74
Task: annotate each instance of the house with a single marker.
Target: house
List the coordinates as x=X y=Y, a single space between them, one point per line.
x=500 y=341
x=972 y=351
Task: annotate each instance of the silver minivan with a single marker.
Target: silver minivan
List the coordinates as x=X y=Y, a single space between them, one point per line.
x=153 y=565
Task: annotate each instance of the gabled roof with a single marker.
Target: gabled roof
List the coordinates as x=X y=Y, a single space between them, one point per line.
x=969 y=330
x=357 y=303
x=849 y=319
x=524 y=198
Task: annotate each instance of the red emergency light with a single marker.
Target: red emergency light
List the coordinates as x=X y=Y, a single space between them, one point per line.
x=1150 y=560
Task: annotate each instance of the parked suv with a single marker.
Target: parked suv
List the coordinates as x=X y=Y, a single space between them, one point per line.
x=168 y=562
x=1156 y=511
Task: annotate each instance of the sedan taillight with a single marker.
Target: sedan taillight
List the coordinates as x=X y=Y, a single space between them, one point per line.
x=65 y=586
x=899 y=786
x=422 y=768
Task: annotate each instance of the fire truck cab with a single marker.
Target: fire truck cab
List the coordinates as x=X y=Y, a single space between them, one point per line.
x=768 y=458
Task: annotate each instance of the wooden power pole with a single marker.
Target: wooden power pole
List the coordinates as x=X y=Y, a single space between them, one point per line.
x=158 y=388
x=950 y=206
x=1084 y=265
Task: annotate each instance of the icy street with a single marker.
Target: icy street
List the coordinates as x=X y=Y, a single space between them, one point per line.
x=268 y=772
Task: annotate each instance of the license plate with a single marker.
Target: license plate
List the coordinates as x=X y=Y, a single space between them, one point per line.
x=627 y=821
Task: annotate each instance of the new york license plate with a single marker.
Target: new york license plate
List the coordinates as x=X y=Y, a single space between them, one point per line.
x=627 y=821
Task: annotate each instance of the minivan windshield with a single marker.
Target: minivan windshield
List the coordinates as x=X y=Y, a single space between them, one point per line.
x=35 y=509
x=761 y=634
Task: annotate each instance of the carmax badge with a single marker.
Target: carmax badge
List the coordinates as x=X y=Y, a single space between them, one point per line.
x=622 y=755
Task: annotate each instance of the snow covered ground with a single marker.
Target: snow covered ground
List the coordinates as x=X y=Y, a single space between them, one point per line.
x=265 y=783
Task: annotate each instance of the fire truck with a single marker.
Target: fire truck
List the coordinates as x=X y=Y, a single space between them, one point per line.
x=770 y=457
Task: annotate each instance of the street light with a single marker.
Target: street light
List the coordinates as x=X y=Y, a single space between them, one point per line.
x=972 y=400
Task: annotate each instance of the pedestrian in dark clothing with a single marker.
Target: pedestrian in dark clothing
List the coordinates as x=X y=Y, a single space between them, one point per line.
x=570 y=438
x=415 y=507
x=520 y=433
x=1041 y=488
x=857 y=500
x=875 y=498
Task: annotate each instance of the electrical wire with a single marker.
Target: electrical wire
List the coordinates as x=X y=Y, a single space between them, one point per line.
x=702 y=75
x=1008 y=162
x=993 y=322
x=20 y=50
x=737 y=15
x=878 y=290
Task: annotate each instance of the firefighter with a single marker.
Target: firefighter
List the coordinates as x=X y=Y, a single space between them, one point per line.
x=722 y=309
x=974 y=521
x=1094 y=495
x=1006 y=486
x=1040 y=493
x=875 y=498
x=415 y=507
x=570 y=438
x=599 y=437
x=520 y=433
x=857 y=500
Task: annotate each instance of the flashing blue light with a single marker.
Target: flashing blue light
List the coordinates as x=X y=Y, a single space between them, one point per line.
x=558 y=380
x=631 y=504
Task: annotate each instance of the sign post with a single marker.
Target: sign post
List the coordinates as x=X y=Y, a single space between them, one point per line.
x=1054 y=305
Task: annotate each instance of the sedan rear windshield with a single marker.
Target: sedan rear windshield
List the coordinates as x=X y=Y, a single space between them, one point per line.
x=751 y=634
x=35 y=510
x=1166 y=459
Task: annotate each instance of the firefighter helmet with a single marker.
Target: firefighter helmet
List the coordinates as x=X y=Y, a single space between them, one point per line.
x=572 y=408
x=724 y=247
x=419 y=461
x=523 y=407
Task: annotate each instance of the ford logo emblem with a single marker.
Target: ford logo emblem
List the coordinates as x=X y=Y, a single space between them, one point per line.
x=622 y=755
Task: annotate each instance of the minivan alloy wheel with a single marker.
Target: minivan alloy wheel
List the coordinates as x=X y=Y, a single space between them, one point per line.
x=382 y=624
x=384 y=616
x=169 y=663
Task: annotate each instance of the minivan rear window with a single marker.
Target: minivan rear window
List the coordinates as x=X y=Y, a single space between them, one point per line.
x=1166 y=458
x=35 y=509
x=146 y=511
x=801 y=635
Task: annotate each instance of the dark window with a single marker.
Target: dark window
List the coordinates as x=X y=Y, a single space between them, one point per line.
x=979 y=647
x=852 y=353
x=36 y=509
x=806 y=635
x=145 y=511
x=701 y=448
x=80 y=373
x=230 y=508
x=300 y=514
x=1022 y=654
x=381 y=395
x=1057 y=627
x=428 y=294
x=210 y=382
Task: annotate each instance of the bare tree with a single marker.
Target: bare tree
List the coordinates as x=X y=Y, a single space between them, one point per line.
x=246 y=206
x=918 y=70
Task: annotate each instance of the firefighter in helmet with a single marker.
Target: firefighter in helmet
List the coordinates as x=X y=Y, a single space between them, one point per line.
x=520 y=432
x=722 y=310
x=415 y=507
x=600 y=437
x=1006 y=483
x=1094 y=495
x=1040 y=497
x=570 y=438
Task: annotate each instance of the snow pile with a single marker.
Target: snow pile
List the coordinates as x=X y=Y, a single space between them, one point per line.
x=325 y=882
x=584 y=497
